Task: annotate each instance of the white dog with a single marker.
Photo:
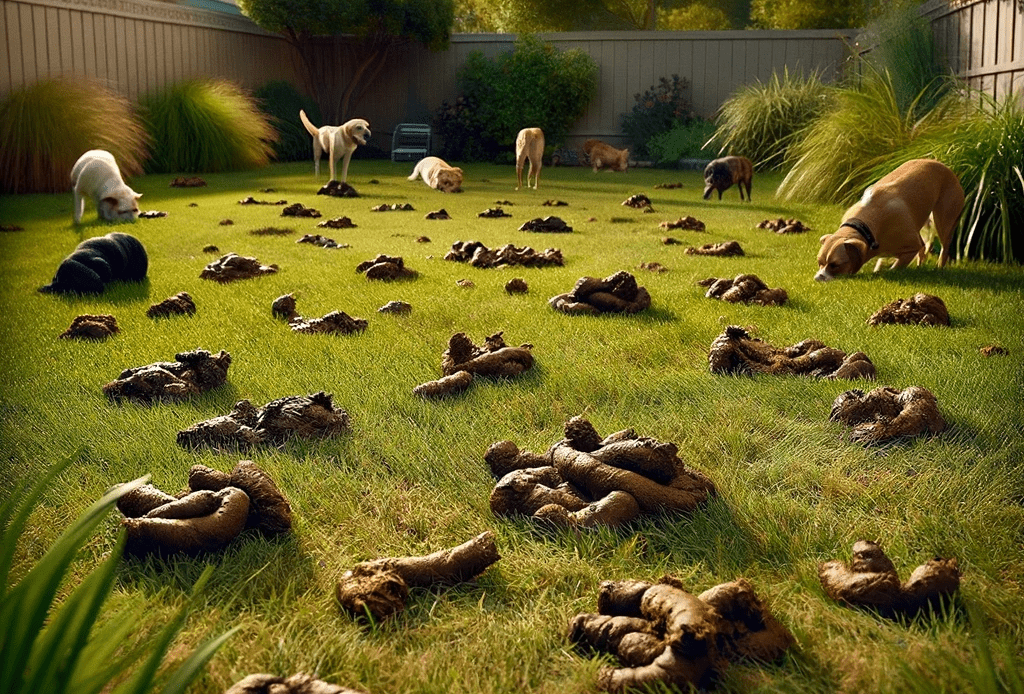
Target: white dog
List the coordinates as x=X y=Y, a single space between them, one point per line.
x=96 y=175
x=338 y=141
x=437 y=174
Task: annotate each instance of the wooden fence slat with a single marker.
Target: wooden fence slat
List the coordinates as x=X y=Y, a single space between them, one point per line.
x=10 y=32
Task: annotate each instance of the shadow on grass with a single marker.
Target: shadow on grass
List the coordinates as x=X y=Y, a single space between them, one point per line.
x=977 y=276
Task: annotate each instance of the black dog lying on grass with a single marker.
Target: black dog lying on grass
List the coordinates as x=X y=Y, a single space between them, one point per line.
x=97 y=261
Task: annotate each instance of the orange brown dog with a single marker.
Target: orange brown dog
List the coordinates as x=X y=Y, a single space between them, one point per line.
x=436 y=173
x=604 y=156
x=722 y=174
x=529 y=146
x=888 y=220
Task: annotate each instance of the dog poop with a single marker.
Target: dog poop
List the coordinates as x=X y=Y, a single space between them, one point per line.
x=271 y=231
x=493 y=359
x=727 y=248
x=91 y=327
x=668 y=186
x=516 y=285
x=886 y=413
x=736 y=352
x=920 y=309
x=296 y=684
x=554 y=225
x=870 y=581
x=748 y=289
x=322 y=241
x=378 y=589
x=299 y=210
x=585 y=481
x=211 y=249
x=493 y=213
x=437 y=214
x=284 y=307
x=994 y=350
x=554 y=203
x=397 y=308
x=152 y=214
x=334 y=323
x=394 y=207
x=231 y=267
x=337 y=223
x=685 y=223
x=188 y=182
x=481 y=256
x=253 y=201
x=638 y=201
x=661 y=633
x=338 y=189
x=193 y=373
x=618 y=293
x=303 y=416
x=652 y=267
x=181 y=304
x=385 y=267
x=784 y=226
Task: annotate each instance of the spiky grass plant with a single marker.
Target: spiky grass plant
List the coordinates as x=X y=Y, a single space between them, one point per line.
x=206 y=125
x=762 y=120
x=281 y=102
x=45 y=128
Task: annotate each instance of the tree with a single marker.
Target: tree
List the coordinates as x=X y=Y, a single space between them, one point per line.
x=698 y=16
x=528 y=16
x=810 y=14
x=362 y=33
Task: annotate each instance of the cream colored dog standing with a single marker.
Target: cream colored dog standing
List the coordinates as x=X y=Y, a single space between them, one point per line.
x=437 y=174
x=338 y=141
x=529 y=145
x=95 y=175
x=888 y=220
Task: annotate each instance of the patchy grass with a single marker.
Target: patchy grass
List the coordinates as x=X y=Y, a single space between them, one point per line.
x=410 y=478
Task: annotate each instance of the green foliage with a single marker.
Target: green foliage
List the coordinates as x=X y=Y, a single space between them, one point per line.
x=46 y=647
x=685 y=140
x=696 y=16
x=206 y=126
x=762 y=120
x=809 y=14
x=46 y=126
x=534 y=85
x=281 y=102
x=658 y=110
x=529 y=16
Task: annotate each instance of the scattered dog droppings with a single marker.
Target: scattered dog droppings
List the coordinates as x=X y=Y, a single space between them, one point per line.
x=394 y=207
x=152 y=214
x=181 y=304
x=385 y=267
x=886 y=413
x=253 y=201
x=736 y=352
x=396 y=308
x=479 y=255
x=463 y=360
x=187 y=182
x=920 y=309
x=994 y=350
x=232 y=267
x=493 y=213
x=747 y=289
x=271 y=231
x=193 y=373
x=91 y=327
x=687 y=223
x=284 y=307
x=668 y=186
x=299 y=210
x=554 y=203
x=334 y=323
x=338 y=190
x=726 y=248
x=618 y=293
x=322 y=241
x=465 y=284
x=422 y=239
x=211 y=249
x=226 y=222
x=547 y=225
x=637 y=201
x=337 y=223
x=670 y=241
x=652 y=267
x=516 y=285
x=784 y=226
x=437 y=214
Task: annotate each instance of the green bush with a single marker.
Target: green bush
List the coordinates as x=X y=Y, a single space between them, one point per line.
x=206 y=126
x=681 y=141
x=658 y=110
x=47 y=126
x=762 y=120
x=534 y=85
x=696 y=16
x=281 y=102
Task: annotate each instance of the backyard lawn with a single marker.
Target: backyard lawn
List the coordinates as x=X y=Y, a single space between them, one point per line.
x=410 y=478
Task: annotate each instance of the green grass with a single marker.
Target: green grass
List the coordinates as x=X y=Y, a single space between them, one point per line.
x=410 y=478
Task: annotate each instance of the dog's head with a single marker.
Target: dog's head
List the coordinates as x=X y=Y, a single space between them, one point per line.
x=717 y=176
x=358 y=129
x=840 y=255
x=448 y=180
x=123 y=207
x=623 y=162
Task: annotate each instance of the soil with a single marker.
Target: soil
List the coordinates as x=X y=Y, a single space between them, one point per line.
x=338 y=190
x=232 y=267
x=516 y=285
x=493 y=213
x=91 y=327
x=322 y=241
x=296 y=684
x=638 y=201
x=194 y=372
x=553 y=225
x=726 y=248
x=885 y=414
x=299 y=210
x=397 y=308
x=784 y=226
x=747 y=289
x=479 y=255
x=181 y=304
x=735 y=351
x=188 y=182
x=337 y=223
x=253 y=201
x=437 y=214
x=920 y=309
x=334 y=323
x=687 y=223
x=385 y=267
x=618 y=293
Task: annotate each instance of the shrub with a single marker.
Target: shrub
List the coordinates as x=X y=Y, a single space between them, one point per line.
x=281 y=103
x=656 y=111
x=681 y=141
x=696 y=16
x=206 y=125
x=534 y=85
x=46 y=127
x=762 y=120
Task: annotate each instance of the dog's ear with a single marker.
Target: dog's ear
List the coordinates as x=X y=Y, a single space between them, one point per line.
x=457 y=169
x=856 y=251
x=824 y=237
x=108 y=207
x=138 y=195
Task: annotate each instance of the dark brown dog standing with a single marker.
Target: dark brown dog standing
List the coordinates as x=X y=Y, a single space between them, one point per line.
x=887 y=221
x=722 y=174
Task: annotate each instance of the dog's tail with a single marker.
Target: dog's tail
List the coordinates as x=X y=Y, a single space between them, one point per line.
x=313 y=130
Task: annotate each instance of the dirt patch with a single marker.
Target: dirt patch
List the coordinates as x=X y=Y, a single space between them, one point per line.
x=735 y=351
x=181 y=304
x=338 y=189
x=295 y=416
x=322 y=241
x=994 y=351
x=551 y=225
x=885 y=414
x=337 y=223
x=385 y=267
x=660 y=633
x=299 y=210
x=687 y=223
x=397 y=308
x=585 y=481
x=394 y=207
x=920 y=309
x=271 y=231
x=253 y=201
x=232 y=267
x=554 y=203
x=296 y=684
x=437 y=214
x=618 y=293
x=188 y=182
x=668 y=186
x=638 y=201
x=194 y=372
x=492 y=359
x=516 y=285
x=784 y=226
x=726 y=248
x=479 y=255
x=334 y=323
x=152 y=214
x=747 y=289
x=870 y=581
x=91 y=327
x=379 y=589
x=493 y=213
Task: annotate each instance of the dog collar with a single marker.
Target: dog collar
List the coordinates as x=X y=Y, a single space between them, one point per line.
x=862 y=229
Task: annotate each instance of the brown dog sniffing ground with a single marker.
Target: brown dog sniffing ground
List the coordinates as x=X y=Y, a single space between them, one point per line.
x=887 y=221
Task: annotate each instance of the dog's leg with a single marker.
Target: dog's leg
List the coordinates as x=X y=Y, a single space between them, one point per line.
x=520 y=162
x=903 y=259
x=316 y=156
x=536 y=174
x=79 y=206
x=330 y=155
x=344 y=166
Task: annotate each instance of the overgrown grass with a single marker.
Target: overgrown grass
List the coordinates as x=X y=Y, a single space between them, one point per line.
x=410 y=478
x=47 y=126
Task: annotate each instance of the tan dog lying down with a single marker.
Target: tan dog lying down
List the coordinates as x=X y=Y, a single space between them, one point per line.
x=529 y=145
x=888 y=219
x=437 y=174
x=338 y=141
x=604 y=156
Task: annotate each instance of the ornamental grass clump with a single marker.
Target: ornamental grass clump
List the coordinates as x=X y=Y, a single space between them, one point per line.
x=206 y=126
x=85 y=114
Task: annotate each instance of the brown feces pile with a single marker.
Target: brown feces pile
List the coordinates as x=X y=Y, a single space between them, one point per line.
x=187 y=182
x=216 y=508
x=618 y=293
x=638 y=201
x=585 y=481
x=463 y=360
x=735 y=351
x=886 y=413
x=302 y=416
x=493 y=213
x=920 y=309
x=338 y=189
x=91 y=327
x=688 y=222
x=554 y=225
x=784 y=226
x=726 y=248
x=319 y=240
x=747 y=289
x=193 y=373
x=662 y=633
x=871 y=581
x=479 y=255
x=181 y=304
x=231 y=267
x=299 y=210
x=296 y=684
x=385 y=267
x=378 y=589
